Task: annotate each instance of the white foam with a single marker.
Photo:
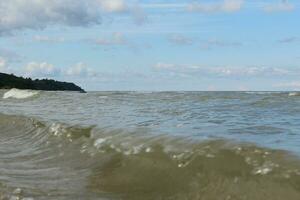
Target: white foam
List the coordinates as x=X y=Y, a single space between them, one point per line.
x=266 y=168
x=98 y=143
x=57 y=129
x=291 y=94
x=19 y=94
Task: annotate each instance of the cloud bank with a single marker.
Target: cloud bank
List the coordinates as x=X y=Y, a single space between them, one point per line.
x=38 y=14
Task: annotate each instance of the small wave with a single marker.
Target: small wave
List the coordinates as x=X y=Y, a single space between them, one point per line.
x=19 y=94
x=74 y=162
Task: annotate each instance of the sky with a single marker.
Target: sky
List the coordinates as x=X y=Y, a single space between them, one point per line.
x=154 y=45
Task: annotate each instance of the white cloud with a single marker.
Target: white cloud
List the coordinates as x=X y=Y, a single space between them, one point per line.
x=163 y=5
x=283 y=6
x=116 y=39
x=41 y=38
x=2 y=64
x=211 y=43
x=45 y=70
x=294 y=85
x=179 y=39
x=113 y=5
x=80 y=70
x=139 y=15
x=162 y=66
x=289 y=40
x=9 y=55
x=224 y=71
x=38 y=14
x=41 y=70
x=225 y=6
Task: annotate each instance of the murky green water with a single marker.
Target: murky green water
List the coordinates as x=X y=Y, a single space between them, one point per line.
x=168 y=145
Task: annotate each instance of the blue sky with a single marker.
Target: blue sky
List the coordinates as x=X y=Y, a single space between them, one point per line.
x=154 y=44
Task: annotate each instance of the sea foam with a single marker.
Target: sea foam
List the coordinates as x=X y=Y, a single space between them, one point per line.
x=19 y=94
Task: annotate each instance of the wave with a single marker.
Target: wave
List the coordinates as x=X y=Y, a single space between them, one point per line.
x=46 y=160
x=19 y=94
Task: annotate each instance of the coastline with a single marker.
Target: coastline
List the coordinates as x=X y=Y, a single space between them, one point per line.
x=10 y=81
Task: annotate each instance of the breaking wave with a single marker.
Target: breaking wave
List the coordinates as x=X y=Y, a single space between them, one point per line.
x=294 y=94
x=19 y=94
x=43 y=160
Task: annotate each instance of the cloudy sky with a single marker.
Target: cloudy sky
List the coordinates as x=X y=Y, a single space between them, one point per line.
x=154 y=44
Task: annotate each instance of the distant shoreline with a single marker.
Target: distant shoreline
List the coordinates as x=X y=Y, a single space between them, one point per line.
x=10 y=81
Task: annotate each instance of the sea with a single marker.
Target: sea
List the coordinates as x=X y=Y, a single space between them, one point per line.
x=149 y=145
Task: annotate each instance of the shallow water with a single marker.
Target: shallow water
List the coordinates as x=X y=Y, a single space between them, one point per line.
x=163 y=145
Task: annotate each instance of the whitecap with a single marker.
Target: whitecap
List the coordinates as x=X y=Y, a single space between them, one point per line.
x=98 y=143
x=291 y=94
x=19 y=94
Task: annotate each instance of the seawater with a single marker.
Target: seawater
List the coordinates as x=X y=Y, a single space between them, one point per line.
x=149 y=145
